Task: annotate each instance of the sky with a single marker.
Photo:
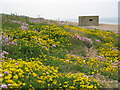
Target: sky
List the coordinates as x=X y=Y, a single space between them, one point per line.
x=62 y=9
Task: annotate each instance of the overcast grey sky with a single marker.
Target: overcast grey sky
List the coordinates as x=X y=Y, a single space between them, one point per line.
x=64 y=9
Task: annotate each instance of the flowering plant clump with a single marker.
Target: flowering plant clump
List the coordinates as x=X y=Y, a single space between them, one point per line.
x=83 y=38
x=39 y=53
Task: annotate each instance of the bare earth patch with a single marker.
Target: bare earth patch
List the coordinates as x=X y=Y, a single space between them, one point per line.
x=109 y=27
x=105 y=27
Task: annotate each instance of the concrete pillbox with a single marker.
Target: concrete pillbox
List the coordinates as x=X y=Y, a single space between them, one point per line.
x=88 y=21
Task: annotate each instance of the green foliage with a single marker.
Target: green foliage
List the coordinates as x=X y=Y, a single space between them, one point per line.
x=44 y=54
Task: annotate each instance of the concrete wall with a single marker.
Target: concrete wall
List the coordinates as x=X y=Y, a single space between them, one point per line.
x=88 y=20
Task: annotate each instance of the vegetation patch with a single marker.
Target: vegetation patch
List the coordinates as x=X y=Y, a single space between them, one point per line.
x=40 y=53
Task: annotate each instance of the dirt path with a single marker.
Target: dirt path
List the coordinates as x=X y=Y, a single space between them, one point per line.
x=110 y=27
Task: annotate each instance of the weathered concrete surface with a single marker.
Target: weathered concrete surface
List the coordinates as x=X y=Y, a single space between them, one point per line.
x=88 y=21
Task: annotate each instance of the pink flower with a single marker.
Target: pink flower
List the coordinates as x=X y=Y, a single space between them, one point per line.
x=26 y=24
x=114 y=66
x=24 y=27
x=53 y=45
x=18 y=22
x=115 y=49
x=0 y=75
x=2 y=60
x=2 y=54
x=67 y=60
x=100 y=57
x=6 y=72
x=13 y=43
x=47 y=73
x=4 y=86
x=16 y=63
x=6 y=40
x=10 y=58
x=9 y=84
x=116 y=62
x=97 y=40
x=0 y=38
x=5 y=52
x=4 y=37
x=45 y=47
x=3 y=57
x=112 y=63
x=83 y=38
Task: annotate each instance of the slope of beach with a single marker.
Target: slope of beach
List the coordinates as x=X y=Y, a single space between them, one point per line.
x=40 y=53
x=109 y=27
x=105 y=27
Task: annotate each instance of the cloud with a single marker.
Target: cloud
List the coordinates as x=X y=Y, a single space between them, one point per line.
x=61 y=8
x=63 y=1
